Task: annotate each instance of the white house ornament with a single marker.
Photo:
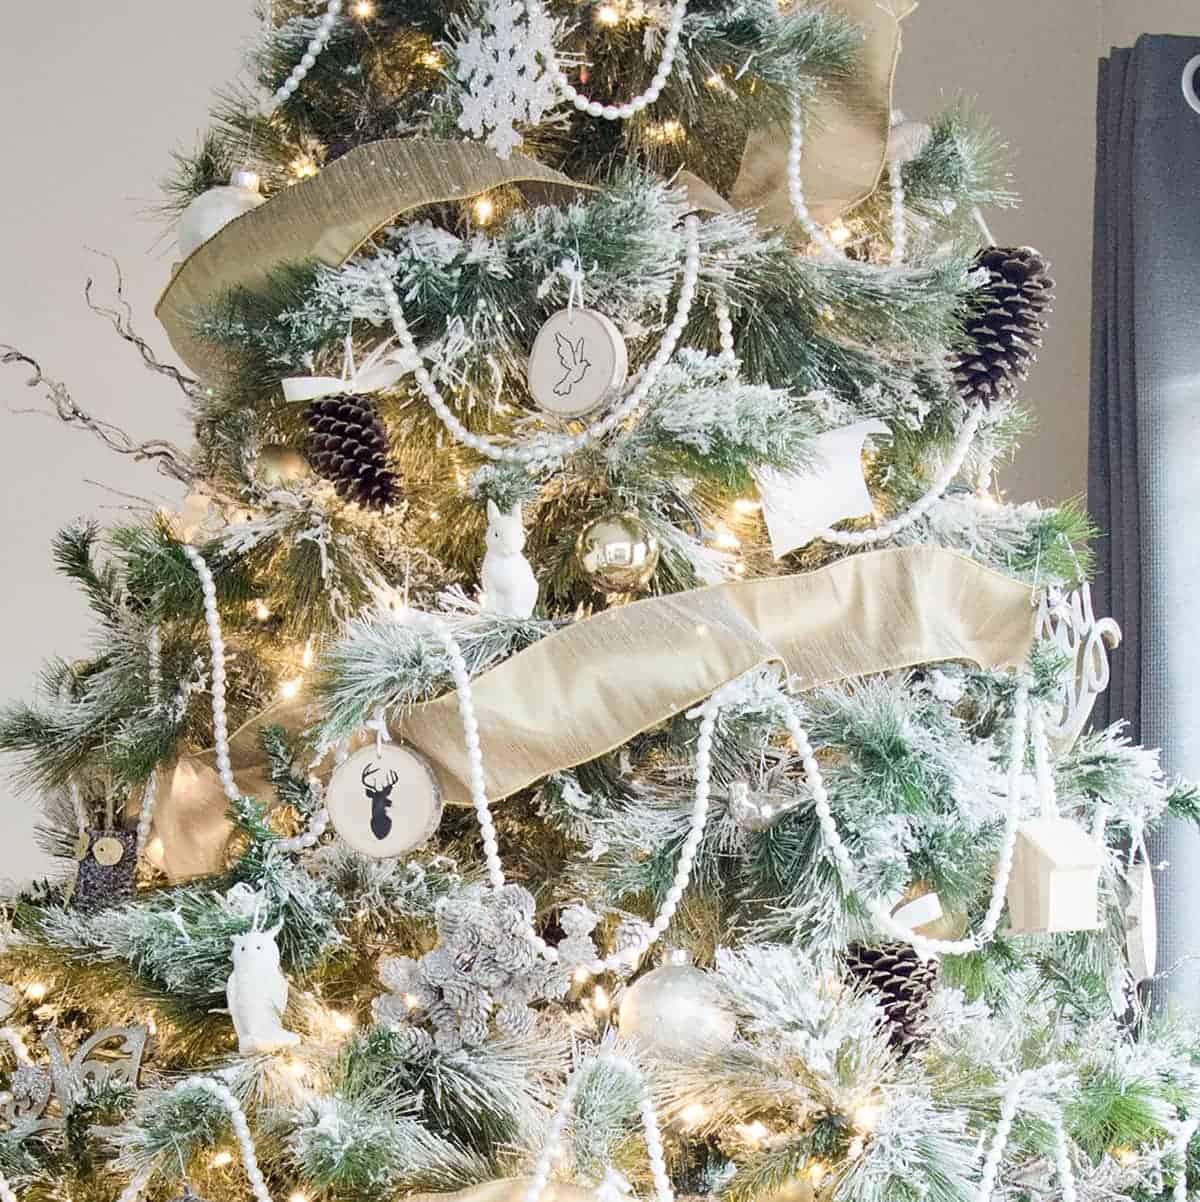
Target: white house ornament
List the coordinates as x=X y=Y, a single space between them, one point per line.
x=579 y=362
x=257 y=994
x=384 y=800
x=618 y=553
x=213 y=210
x=41 y=1096
x=798 y=506
x=676 y=1009
x=1055 y=881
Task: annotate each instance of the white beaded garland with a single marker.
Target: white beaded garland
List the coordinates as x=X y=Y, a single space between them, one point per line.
x=552 y=1149
x=316 y=44
x=623 y=112
x=538 y=450
x=309 y=837
x=216 y=644
x=899 y=219
x=924 y=946
x=1062 y=1162
x=937 y=490
x=813 y=229
x=728 y=356
x=150 y=792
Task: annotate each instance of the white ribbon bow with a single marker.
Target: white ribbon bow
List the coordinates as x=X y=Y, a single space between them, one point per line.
x=382 y=368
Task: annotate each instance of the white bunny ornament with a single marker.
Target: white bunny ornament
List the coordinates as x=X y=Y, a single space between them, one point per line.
x=257 y=993
x=509 y=585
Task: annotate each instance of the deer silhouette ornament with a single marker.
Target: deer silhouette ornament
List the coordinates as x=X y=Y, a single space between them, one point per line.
x=381 y=801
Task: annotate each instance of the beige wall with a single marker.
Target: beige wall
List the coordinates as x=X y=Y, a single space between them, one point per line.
x=95 y=97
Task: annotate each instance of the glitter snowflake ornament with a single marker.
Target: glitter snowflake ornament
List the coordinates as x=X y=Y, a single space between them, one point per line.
x=505 y=66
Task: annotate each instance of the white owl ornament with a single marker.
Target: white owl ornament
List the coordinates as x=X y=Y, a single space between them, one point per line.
x=257 y=993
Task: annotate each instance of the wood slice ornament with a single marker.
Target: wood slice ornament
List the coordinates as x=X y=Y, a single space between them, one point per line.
x=107 y=868
x=579 y=362
x=384 y=800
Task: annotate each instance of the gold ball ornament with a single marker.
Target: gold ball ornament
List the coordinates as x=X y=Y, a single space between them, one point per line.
x=280 y=465
x=618 y=553
x=676 y=1009
x=949 y=925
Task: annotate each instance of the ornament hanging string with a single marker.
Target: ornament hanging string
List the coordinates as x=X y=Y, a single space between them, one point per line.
x=541 y=449
x=553 y=1147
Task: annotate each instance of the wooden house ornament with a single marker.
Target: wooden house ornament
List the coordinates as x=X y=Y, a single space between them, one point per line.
x=1055 y=879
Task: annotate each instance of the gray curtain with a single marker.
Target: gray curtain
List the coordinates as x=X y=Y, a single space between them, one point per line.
x=1144 y=447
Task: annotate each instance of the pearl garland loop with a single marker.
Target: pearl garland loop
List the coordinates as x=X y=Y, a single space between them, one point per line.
x=631 y=108
x=540 y=449
x=553 y=1147
x=320 y=820
x=318 y=43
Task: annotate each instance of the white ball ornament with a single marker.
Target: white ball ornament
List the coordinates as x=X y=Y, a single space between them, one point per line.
x=579 y=361
x=676 y=1009
x=213 y=210
x=384 y=800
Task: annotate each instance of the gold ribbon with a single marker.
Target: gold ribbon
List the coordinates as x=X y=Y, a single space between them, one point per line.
x=511 y=1189
x=845 y=135
x=592 y=686
x=329 y=217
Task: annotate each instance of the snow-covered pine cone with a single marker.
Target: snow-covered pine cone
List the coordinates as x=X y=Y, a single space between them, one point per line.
x=902 y=982
x=1005 y=323
x=348 y=446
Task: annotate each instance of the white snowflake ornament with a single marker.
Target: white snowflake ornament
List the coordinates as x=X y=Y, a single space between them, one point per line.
x=505 y=64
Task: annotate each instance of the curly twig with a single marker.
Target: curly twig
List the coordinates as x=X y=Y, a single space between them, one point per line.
x=122 y=321
x=169 y=459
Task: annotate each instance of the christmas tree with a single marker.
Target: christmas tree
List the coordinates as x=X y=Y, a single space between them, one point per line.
x=593 y=729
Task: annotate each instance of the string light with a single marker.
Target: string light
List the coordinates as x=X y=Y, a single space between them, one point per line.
x=582 y=975
x=262 y=611
x=302 y=167
x=432 y=60
x=289 y=690
x=307 y=658
x=693 y=1114
x=608 y=14
x=747 y=506
x=817 y=1172
x=839 y=233
x=342 y=1022
x=364 y=10
x=222 y=1159
x=727 y=539
x=671 y=130
x=601 y=1002
x=484 y=210
x=866 y=1117
x=753 y=1133
x=36 y=991
x=298 y=1196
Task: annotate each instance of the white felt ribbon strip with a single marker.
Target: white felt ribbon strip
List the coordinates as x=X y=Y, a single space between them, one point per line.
x=385 y=367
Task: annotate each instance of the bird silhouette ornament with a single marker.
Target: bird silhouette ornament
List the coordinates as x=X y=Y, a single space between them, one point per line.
x=572 y=356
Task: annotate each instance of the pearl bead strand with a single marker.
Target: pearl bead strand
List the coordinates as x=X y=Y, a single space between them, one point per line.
x=216 y=644
x=1008 y=1111
x=926 y=947
x=540 y=449
x=728 y=357
x=631 y=108
x=317 y=44
x=899 y=219
x=553 y=1148
x=150 y=792
x=813 y=229
x=310 y=837
x=937 y=490
x=1062 y=1162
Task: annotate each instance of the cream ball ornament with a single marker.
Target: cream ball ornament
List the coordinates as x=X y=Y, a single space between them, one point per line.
x=676 y=1009
x=213 y=210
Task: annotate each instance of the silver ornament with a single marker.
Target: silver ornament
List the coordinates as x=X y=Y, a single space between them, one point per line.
x=618 y=553
x=578 y=362
x=753 y=812
x=384 y=800
x=677 y=1008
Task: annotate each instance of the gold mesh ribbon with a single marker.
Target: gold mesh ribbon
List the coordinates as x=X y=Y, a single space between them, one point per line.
x=329 y=217
x=592 y=686
x=846 y=131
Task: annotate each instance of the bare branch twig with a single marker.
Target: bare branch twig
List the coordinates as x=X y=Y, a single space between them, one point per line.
x=167 y=457
x=122 y=321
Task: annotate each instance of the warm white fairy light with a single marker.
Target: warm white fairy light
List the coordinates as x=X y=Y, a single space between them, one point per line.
x=364 y=10
x=866 y=1117
x=302 y=167
x=608 y=14
x=726 y=539
x=839 y=233
x=484 y=210
x=693 y=1114
x=222 y=1159
x=262 y=611
x=36 y=991
x=342 y=1023
x=289 y=690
